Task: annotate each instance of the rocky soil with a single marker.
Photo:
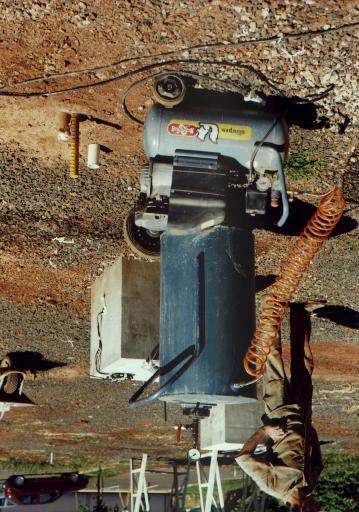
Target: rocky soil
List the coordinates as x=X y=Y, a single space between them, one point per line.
x=303 y=49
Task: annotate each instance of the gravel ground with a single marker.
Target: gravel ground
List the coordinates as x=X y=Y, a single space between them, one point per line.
x=44 y=284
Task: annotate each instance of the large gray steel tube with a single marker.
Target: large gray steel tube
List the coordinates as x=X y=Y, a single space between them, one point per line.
x=207 y=301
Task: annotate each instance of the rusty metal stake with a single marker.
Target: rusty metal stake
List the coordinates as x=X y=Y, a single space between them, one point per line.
x=63 y=131
x=74 y=146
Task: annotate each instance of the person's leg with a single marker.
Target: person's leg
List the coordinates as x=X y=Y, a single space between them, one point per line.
x=301 y=386
x=275 y=384
x=302 y=365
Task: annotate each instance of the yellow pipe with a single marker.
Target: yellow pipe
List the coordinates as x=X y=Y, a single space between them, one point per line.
x=74 y=146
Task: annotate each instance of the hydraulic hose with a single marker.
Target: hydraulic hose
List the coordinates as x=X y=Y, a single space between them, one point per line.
x=187 y=357
x=275 y=303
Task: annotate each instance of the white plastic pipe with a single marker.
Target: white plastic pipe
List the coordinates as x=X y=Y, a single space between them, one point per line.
x=93 y=156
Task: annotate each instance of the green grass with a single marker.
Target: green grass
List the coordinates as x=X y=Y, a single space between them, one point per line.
x=227 y=486
x=337 y=489
x=303 y=164
x=109 y=472
x=32 y=467
x=80 y=464
x=193 y=499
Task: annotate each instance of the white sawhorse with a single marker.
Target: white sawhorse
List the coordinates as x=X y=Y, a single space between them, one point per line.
x=213 y=477
x=138 y=486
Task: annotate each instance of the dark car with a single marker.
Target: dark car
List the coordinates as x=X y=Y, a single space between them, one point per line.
x=41 y=489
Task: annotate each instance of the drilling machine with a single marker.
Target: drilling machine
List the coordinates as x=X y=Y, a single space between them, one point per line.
x=215 y=173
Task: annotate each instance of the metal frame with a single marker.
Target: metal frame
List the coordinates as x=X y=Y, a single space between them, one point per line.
x=214 y=477
x=138 y=486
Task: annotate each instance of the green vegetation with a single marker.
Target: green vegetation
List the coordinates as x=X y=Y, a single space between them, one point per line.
x=303 y=164
x=80 y=464
x=232 y=491
x=227 y=486
x=111 y=471
x=33 y=467
x=337 y=489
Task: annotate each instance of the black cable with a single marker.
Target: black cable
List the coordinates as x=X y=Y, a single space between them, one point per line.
x=198 y=47
x=192 y=74
x=98 y=354
x=187 y=357
x=258 y=146
x=127 y=91
x=148 y=67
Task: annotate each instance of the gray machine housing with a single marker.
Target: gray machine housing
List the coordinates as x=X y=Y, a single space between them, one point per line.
x=188 y=148
x=249 y=124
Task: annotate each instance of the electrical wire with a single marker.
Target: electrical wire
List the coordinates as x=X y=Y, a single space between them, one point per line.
x=198 y=47
x=186 y=358
x=98 y=354
x=258 y=146
x=226 y=82
x=191 y=74
x=148 y=67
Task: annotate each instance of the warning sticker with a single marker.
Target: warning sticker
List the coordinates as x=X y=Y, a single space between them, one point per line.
x=209 y=131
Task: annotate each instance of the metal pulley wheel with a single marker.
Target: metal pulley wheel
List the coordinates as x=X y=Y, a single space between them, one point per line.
x=169 y=90
x=143 y=242
x=11 y=381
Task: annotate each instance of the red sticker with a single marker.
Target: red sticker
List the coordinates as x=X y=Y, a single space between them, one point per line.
x=183 y=130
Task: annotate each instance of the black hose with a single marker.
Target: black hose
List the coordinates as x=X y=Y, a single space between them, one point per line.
x=192 y=352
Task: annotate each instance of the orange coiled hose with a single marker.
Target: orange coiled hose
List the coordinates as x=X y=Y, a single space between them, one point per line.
x=275 y=303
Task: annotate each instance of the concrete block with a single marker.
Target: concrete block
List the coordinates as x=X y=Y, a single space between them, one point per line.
x=125 y=308
x=229 y=426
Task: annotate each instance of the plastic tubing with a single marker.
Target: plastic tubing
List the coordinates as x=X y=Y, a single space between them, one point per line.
x=275 y=303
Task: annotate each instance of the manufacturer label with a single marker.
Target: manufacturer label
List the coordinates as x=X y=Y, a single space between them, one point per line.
x=182 y=129
x=208 y=131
